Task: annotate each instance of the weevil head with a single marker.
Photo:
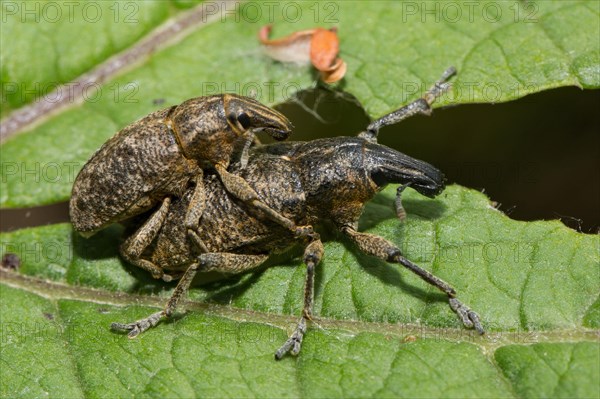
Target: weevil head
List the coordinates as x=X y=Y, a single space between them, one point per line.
x=340 y=175
x=388 y=166
x=244 y=113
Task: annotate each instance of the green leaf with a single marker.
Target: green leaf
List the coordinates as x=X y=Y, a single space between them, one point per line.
x=47 y=29
x=551 y=370
x=394 y=51
x=379 y=331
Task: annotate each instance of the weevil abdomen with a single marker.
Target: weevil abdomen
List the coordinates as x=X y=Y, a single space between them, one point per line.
x=129 y=174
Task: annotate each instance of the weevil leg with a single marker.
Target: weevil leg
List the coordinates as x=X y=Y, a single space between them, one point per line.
x=239 y=188
x=420 y=106
x=134 y=246
x=380 y=247
x=222 y=262
x=468 y=317
x=197 y=203
x=312 y=257
x=197 y=241
x=139 y=326
x=228 y=263
x=195 y=210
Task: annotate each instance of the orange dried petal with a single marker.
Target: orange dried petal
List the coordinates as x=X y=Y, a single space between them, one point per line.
x=292 y=48
x=265 y=32
x=319 y=46
x=335 y=73
x=324 y=48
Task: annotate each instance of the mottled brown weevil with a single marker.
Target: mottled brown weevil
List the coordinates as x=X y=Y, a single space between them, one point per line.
x=159 y=156
x=309 y=182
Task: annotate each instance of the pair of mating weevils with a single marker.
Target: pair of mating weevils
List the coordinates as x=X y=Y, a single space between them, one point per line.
x=183 y=220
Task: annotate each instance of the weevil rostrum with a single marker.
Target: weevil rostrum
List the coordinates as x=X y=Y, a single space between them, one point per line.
x=327 y=179
x=157 y=157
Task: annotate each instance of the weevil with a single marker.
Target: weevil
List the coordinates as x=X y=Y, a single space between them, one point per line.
x=310 y=182
x=158 y=157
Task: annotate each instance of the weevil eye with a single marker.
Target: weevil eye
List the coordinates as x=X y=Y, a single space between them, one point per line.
x=241 y=121
x=244 y=120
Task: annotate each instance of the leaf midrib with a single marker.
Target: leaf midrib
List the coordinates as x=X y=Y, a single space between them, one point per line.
x=488 y=343
x=163 y=36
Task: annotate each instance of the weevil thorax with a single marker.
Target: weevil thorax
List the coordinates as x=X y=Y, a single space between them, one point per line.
x=245 y=113
x=335 y=181
x=202 y=131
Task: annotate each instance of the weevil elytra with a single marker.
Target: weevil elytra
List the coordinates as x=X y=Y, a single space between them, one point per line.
x=159 y=156
x=309 y=182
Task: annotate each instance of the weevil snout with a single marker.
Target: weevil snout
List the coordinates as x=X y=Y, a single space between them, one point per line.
x=427 y=183
x=390 y=166
x=429 y=186
x=278 y=133
x=245 y=113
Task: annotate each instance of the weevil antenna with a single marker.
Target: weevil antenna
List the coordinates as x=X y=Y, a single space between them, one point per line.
x=400 y=211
